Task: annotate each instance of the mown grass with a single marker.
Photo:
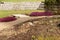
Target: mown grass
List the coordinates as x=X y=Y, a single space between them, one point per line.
x=4 y=13
x=21 y=0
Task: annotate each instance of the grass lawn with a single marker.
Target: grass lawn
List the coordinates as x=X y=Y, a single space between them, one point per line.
x=21 y=0
x=4 y=13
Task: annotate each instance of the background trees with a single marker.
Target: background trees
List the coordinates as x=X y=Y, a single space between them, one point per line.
x=53 y=6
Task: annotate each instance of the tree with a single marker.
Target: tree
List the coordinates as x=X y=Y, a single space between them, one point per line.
x=58 y=6
x=53 y=6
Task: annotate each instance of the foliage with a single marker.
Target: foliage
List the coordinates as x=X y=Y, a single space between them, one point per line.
x=41 y=14
x=41 y=37
x=7 y=19
x=49 y=38
x=52 y=5
x=33 y=37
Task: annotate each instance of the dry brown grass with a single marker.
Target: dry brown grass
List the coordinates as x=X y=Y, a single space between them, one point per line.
x=42 y=29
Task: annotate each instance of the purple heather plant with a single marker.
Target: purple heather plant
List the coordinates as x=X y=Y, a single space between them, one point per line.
x=7 y=19
x=41 y=14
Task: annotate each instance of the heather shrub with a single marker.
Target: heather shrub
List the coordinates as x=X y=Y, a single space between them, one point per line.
x=41 y=14
x=7 y=19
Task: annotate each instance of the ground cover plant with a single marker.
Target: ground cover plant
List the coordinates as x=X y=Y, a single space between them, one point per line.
x=41 y=14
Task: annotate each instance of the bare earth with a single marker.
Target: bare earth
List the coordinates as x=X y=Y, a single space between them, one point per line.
x=25 y=28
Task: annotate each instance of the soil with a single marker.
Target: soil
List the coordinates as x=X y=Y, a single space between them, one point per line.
x=41 y=27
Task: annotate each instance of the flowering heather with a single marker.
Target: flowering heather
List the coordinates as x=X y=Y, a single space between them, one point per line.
x=7 y=19
x=41 y=14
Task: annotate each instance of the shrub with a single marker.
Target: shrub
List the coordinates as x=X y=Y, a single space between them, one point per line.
x=41 y=14
x=7 y=19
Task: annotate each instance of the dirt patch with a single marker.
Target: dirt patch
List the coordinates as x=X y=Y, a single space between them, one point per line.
x=45 y=27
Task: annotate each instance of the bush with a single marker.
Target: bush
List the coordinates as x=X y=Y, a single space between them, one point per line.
x=7 y=19
x=41 y=14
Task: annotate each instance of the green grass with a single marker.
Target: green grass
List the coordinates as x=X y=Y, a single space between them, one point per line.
x=21 y=0
x=45 y=38
x=49 y=38
x=4 y=13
